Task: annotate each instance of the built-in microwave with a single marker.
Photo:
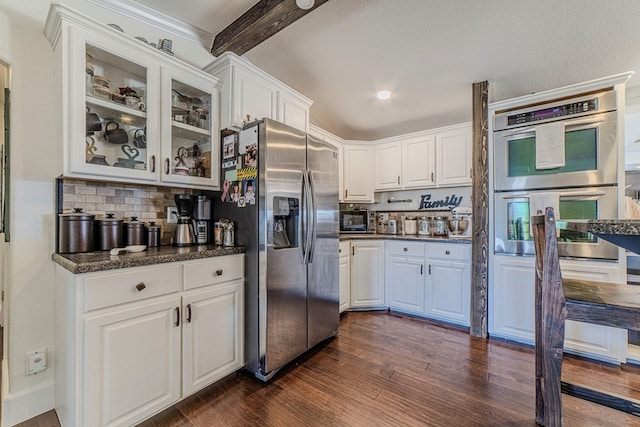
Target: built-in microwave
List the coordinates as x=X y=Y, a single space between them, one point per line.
x=357 y=221
x=589 y=124
x=513 y=232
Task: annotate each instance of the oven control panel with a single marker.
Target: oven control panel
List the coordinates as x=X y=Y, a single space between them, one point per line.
x=557 y=111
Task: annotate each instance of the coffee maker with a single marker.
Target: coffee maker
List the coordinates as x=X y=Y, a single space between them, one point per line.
x=202 y=220
x=184 y=234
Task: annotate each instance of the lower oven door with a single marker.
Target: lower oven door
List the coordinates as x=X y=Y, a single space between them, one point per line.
x=513 y=233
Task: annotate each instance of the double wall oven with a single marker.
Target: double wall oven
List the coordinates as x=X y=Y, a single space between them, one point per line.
x=584 y=186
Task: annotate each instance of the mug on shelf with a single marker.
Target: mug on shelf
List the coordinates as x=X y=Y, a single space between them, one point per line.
x=93 y=122
x=115 y=135
x=140 y=138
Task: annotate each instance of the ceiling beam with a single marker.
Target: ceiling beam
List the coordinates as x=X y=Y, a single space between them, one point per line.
x=263 y=20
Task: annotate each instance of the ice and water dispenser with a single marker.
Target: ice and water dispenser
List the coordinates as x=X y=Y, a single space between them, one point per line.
x=286 y=211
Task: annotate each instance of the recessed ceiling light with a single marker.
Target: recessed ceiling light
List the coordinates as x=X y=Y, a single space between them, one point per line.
x=305 y=4
x=384 y=94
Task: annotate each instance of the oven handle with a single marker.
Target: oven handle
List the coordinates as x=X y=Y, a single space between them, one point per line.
x=568 y=123
x=562 y=194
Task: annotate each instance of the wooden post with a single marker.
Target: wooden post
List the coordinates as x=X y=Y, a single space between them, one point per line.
x=480 y=202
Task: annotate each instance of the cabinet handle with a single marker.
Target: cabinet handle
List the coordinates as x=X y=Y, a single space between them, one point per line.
x=429 y=269
x=153 y=163
x=432 y=177
x=177 y=316
x=447 y=252
x=140 y=286
x=353 y=250
x=166 y=169
x=405 y=249
x=346 y=193
x=339 y=251
x=421 y=269
x=398 y=179
x=219 y=272
x=470 y=172
x=188 y=313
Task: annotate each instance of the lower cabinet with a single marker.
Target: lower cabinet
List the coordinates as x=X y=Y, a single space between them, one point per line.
x=367 y=274
x=512 y=310
x=449 y=282
x=405 y=276
x=345 y=276
x=131 y=342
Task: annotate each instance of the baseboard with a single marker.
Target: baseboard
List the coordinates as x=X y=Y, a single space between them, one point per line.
x=21 y=406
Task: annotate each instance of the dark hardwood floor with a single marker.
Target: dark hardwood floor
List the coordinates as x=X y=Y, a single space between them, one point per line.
x=389 y=370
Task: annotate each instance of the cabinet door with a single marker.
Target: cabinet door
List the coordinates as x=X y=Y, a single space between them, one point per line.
x=344 y=268
x=388 y=166
x=132 y=362
x=254 y=97
x=449 y=289
x=99 y=124
x=367 y=274
x=293 y=111
x=511 y=302
x=358 y=164
x=453 y=152
x=419 y=162
x=190 y=129
x=405 y=284
x=213 y=334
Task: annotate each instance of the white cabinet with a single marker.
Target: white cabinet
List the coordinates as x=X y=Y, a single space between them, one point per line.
x=358 y=165
x=345 y=274
x=169 y=114
x=388 y=166
x=249 y=93
x=405 y=276
x=419 y=162
x=453 y=156
x=367 y=274
x=131 y=342
x=449 y=282
x=511 y=305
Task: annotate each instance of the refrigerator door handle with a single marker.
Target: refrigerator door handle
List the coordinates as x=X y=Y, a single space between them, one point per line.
x=312 y=214
x=306 y=196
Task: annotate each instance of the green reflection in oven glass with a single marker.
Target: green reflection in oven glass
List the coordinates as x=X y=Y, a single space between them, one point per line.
x=581 y=154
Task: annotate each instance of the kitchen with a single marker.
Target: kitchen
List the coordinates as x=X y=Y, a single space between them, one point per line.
x=35 y=166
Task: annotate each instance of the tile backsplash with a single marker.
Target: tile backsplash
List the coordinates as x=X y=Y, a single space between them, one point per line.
x=146 y=202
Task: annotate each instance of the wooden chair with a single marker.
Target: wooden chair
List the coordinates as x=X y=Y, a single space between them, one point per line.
x=558 y=299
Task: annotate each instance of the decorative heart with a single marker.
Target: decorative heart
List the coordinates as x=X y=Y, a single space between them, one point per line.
x=131 y=152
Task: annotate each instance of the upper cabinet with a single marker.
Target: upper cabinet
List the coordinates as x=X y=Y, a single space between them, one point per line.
x=439 y=157
x=130 y=112
x=453 y=156
x=249 y=93
x=358 y=185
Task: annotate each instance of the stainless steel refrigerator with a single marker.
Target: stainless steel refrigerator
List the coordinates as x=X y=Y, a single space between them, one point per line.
x=291 y=239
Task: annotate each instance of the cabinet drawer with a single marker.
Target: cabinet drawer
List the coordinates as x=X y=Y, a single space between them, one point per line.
x=449 y=251
x=213 y=270
x=405 y=248
x=109 y=289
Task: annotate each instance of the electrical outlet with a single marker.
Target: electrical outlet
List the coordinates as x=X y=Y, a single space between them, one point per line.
x=36 y=361
x=172 y=215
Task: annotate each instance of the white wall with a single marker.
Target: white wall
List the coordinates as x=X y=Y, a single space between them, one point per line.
x=35 y=163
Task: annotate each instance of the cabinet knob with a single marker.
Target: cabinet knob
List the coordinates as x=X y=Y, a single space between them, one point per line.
x=140 y=286
x=447 y=252
x=218 y=272
x=405 y=249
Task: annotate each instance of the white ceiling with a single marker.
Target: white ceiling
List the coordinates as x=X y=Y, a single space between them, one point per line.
x=429 y=52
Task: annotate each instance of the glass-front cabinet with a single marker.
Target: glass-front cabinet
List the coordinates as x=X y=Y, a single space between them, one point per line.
x=131 y=112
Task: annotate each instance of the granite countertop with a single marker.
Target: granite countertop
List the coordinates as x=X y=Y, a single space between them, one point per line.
x=374 y=236
x=605 y=226
x=91 y=262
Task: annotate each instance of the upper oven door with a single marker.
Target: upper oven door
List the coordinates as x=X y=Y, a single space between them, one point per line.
x=590 y=156
x=513 y=233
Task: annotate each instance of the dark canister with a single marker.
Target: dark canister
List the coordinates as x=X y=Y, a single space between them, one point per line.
x=108 y=233
x=133 y=232
x=153 y=234
x=75 y=232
